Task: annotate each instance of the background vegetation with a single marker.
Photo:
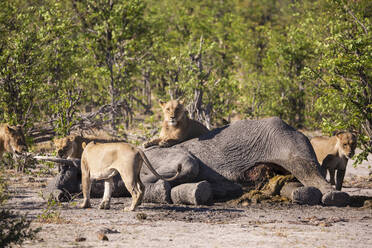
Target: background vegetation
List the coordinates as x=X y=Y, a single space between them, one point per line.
x=80 y=64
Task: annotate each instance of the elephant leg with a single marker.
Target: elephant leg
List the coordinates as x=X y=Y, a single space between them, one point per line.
x=199 y=193
x=158 y=192
x=308 y=173
x=340 y=179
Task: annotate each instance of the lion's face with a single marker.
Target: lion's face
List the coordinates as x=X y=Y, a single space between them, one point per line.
x=64 y=147
x=347 y=143
x=15 y=140
x=173 y=111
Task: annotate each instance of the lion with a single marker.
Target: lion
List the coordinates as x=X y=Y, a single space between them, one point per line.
x=71 y=147
x=102 y=161
x=12 y=140
x=333 y=154
x=176 y=127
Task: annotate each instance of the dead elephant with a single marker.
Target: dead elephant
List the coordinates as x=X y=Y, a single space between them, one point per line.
x=217 y=164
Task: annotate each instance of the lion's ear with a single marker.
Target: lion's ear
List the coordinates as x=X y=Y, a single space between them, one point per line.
x=338 y=133
x=10 y=129
x=83 y=145
x=180 y=100
x=162 y=103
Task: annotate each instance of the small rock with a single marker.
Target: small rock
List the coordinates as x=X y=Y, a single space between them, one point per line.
x=324 y=224
x=367 y=204
x=141 y=216
x=102 y=236
x=106 y=230
x=80 y=239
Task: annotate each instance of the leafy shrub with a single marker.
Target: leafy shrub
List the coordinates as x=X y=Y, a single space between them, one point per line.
x=21 y=163
x=14 y=228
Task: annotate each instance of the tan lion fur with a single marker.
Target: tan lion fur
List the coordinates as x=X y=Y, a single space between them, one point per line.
x=333 y=154
x=177 y=126
x=12 y=139
x=102 y=161
x=72 y=146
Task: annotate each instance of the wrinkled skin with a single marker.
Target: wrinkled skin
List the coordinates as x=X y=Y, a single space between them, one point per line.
x=333 y=154
x=224 y=156
x=12 y=140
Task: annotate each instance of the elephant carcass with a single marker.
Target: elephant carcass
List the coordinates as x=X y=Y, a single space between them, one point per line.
x=224 y=156
x=223 y=159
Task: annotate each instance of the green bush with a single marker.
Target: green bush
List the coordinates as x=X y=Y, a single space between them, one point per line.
x=14 y=228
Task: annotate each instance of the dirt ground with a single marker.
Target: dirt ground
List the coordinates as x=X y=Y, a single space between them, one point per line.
x=219 y=225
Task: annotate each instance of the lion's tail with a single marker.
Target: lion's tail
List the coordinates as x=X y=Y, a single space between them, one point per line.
x=148 y=164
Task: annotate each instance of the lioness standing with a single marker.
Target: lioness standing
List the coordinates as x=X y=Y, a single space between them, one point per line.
x=12 y=140
x=333 y=153
x=177 y=126
x=102 y=161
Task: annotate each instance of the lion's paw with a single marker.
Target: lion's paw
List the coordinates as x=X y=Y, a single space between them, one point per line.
x=128 y=209
x=104 y=205
x=85 y=204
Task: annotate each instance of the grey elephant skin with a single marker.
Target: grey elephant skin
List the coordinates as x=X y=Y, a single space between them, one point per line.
x=223 y=158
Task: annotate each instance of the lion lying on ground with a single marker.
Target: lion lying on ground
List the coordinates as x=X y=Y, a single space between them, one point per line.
x=103 y=161
x=12 y=140
x=333 y=153
x=176 y=127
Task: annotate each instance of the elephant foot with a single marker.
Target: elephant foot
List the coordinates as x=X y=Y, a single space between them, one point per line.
x=336 y=198
x=158 y=192
x=192 y=193
x=307 y=195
